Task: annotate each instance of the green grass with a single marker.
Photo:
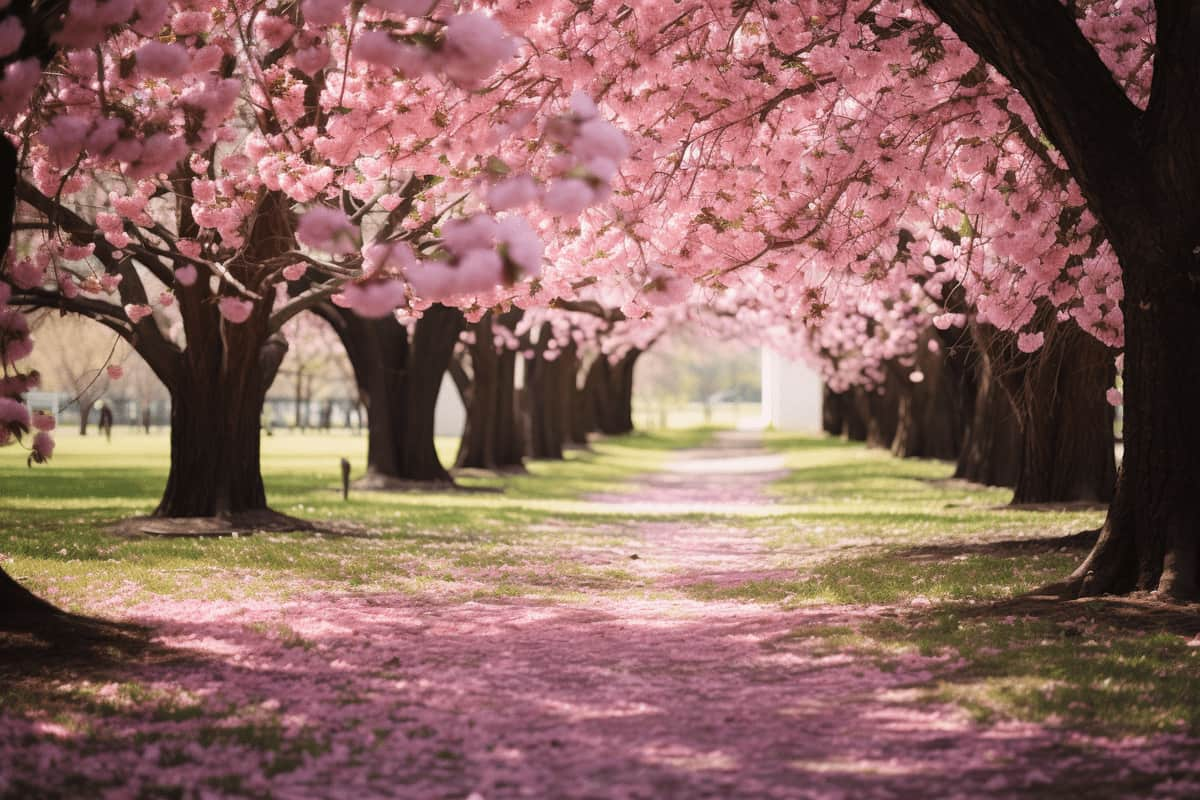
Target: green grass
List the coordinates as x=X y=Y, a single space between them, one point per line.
x=945 y=563
x=522 y=525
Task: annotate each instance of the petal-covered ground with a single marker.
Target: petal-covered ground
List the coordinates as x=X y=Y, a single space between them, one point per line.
x=651 y=671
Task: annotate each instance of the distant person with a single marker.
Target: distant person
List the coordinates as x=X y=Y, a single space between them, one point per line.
x=106 y=421
x=146 y=419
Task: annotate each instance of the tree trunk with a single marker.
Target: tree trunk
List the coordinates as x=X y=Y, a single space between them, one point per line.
x=833 y=411
x=582 y=413
x=932 y=413
x=1066 y=421
x=544 y=426
x=1139 y=170
x=858 y=412
x=216 y=411
x=19 y=606
x=883 y=414
x=85 y=412
x=492 y=437
x=612 y=392
x=991 y=450
x=1151 y=536
x=617 y=403
x=400 y=381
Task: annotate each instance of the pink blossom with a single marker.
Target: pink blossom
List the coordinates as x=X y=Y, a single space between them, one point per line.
x=11 y=34
x=600 y=139
x=166 y=299
x=109 y=282
x=186 y=275
x=512 y=192
x=476 y=232
x=27 y=275
x=1030 y=342
x=13 y=412
x=64 y=137
x=235 y=309
x=412 y=8
x=1115 y=397
x=433 y=280
x=115 y=371
x=568 y=197
x=323 y=12
x=20 y=79
x=479 y=271
x=161 y=60
x=43 y=421
x=475 y=45
x=294 y=272
x=137 y=312
x=520 y=245
x=374 y=299
x=328 y=229
x=380 y=49
x=43 y=446
x=582 y=105
x=311 y=60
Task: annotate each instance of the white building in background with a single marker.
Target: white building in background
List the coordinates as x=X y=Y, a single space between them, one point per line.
x=450 y=415
x=791 y=394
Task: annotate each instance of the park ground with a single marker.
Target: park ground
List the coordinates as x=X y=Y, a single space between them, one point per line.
x=688 y=614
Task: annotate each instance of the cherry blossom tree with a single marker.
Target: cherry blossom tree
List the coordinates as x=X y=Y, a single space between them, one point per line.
x=357 y=147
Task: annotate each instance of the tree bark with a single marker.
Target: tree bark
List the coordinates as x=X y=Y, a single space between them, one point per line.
x=883 y=414
x=400 y=380
x=85 y=413
x=1140 y=173
x=492 y=436
x=216 y=412
x=19 y=607
x=833 y=411
x=858 y=412
x=991 y=451
x=932 y=413
x=1068 y=452
x=609 y=387
x=544 y=402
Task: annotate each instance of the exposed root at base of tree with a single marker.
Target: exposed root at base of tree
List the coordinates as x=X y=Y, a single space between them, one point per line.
x=242 y=523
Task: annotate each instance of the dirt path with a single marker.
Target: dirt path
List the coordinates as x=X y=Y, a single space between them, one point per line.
x=651 y=695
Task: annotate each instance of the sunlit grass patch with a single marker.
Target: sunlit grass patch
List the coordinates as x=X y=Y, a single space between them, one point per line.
x=890 y=578
x=1075 y=668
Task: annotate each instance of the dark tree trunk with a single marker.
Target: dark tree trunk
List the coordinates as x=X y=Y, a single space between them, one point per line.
x=216 y=411
x=400 y=381
x=85 y=413
x=492 y=437
x=1066 y=421
x=1140 y=173
x=622 y=392
x=582 y=414
x=544 y=402
x=857 y=414
x=19 y=607
x=883 y=414
x=991 y=450
x=932 y=413
x=1150 y=538
x=609 y=387
x=833 y=411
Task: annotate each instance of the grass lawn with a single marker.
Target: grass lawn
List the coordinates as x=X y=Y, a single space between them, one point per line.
x=889 y=563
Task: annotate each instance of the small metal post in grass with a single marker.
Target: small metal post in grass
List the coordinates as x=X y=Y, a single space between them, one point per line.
x=345 y=479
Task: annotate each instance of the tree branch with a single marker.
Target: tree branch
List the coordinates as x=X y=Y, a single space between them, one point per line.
x=1078 y=103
